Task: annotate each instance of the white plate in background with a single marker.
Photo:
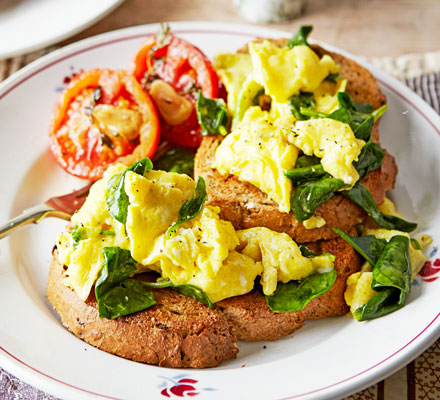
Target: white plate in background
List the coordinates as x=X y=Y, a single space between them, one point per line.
x=329 y=358
x=29 y=25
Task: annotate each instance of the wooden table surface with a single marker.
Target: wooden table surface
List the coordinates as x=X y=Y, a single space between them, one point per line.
x=363 y=27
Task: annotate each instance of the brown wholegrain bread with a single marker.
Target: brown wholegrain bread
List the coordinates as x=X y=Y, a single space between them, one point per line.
x=181 y=332
x=176 y=332
x=251 y=319
x=246 y=206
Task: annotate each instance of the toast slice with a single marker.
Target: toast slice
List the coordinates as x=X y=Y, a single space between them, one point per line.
x=250 y=318
x=246 y=206
x=178 y=331
x=181 y=332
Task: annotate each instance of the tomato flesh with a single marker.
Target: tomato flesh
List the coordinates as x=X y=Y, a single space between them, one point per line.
x=187 y=70
x=79 y=141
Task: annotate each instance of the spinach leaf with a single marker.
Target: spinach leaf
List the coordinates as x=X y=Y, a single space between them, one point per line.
x=212 y=115
x=118 y=266
x=306 y=252
x=368 y=246
x=382 y=303
x=116 y=199
x=332 y=77
x=187 y=290
x=116 y=293
x=299 y=175
x=415 y=243
x=128 y=297
x=391 y=272
x=294 y=295
x=77 y=234
x=362 y=196
x=393 y=267
x=359 y=116
x=301 y=100
x=309 y=195
x=307 y=161
x=192 y=207
x=370 y=159
x=300 y=37
x=108 y=233
x=177 y=160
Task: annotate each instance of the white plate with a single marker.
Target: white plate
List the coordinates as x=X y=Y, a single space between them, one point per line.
x=326 y=359
x=29 y=25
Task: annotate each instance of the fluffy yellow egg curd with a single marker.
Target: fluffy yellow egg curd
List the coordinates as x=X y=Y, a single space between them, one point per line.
x=265 y=139
x=259 y=152
x=332 y=141
x=205 y=251
x=284 y=72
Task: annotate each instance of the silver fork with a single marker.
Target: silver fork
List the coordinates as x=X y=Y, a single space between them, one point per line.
x=59 y=207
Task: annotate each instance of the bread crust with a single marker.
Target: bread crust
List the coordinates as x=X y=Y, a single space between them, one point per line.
x=250 y=318
x=176 y=332
x=181 y=332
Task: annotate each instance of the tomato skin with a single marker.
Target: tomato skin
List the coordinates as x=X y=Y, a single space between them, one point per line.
x=183 y=66
x=77 y=143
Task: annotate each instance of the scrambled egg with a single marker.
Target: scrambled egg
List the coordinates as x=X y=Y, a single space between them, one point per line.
x=284 y=72
x=281 y=257
x=85 y=259
x=262 y=145
x=332 y=141
x=205 y=251
x=258 y=152
x=233 y=70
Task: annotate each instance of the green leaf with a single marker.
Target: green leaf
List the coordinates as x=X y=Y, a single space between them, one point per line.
x=359 y=116
x=294 y=295
x=415 y=243
x=116 y=293
x=391 y=272
x=192 y=207
x=108 y=233
x=368 y=246
x=297 y=101
x=306 y=252
x=128 y=297
x=116 y=199
x=362 y=196
x=300 y=37
x=308 y=196
x=299 y=175
x=118 y=266
x=212 y=115
x=177 y=160
x=332 y=77
x=382 y=303
x=393 y=267
x=187 y=290
x=307 y=161
x=77 y=235
x=370 y=159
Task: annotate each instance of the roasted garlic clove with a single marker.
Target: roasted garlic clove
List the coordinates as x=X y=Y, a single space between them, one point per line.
x=175 y=109
x=114 y=121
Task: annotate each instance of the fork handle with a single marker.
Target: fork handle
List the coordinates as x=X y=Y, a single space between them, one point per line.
x=31 y=216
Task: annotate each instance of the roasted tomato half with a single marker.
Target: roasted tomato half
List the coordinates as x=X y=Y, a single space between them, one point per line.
x=172 y=71
x=103 y=116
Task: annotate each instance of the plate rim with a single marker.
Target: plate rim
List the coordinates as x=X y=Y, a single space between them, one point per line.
x=86 y=23
x=53 y=385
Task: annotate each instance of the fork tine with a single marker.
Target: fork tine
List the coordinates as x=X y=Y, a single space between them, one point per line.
x=71 y=202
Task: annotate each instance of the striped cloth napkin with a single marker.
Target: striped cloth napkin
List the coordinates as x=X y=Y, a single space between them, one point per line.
x=419 y=380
